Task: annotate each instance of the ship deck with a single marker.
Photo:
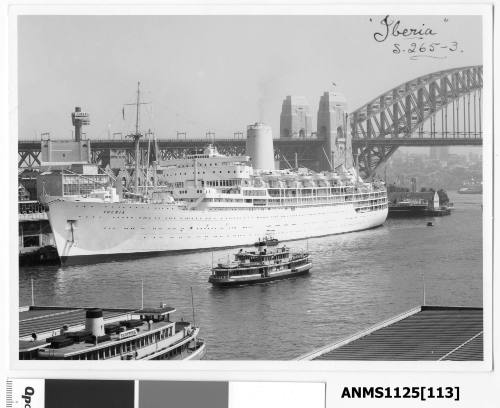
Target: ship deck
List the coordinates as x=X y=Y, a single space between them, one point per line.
x=82 y=346
x=431 y=333
x=29 y=345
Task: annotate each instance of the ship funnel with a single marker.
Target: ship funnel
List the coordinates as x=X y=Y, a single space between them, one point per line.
x=94 y=322
x=259 y=146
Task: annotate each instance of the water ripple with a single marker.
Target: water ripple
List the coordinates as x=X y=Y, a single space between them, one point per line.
x=357 y=280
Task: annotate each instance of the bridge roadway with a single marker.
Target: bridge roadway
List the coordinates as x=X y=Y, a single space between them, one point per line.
x=126 y=144
x=310 y=151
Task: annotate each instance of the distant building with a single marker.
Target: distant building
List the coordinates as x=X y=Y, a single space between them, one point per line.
x=440 y=153
x=444 y=152
x=27 y=178
x=474 y=157
x=295 y=118
x=413 y=182
x=63 y=153
x=77 y=180
x=22 y=193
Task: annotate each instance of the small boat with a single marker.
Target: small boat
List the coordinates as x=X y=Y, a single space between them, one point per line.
x=471 y=187
x=430 y=224
x=261 y=265
x=268 y=240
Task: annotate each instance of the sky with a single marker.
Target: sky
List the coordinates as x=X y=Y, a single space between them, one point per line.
x=217 y=73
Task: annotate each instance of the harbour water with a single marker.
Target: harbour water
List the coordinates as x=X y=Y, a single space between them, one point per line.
x=357 y=280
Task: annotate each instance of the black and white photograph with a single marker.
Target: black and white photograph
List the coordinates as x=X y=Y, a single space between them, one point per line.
x=253 y=187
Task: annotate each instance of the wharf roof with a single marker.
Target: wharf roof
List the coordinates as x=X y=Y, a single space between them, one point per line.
x=432 y=333
x=40 y=319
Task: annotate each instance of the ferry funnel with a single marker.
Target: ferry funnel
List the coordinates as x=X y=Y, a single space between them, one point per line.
x=94 y=322
x=259 y=146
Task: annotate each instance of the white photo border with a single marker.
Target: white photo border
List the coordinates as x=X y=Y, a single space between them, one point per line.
x=247 y=370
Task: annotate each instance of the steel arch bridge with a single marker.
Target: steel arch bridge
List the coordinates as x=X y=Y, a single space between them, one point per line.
x=438 y=109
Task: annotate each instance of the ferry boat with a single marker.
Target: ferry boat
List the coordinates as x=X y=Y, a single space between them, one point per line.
x=148 y=334
x=261 y=265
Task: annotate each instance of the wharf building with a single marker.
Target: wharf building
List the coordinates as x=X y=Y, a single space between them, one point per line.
x=65 y=170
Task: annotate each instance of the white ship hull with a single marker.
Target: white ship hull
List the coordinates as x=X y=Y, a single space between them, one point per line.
x=100 y=230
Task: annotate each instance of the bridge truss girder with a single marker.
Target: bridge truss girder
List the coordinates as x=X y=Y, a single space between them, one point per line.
x=28 y=158
x=406 y=112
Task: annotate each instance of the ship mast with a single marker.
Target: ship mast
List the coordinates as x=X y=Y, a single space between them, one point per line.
x=137 y=136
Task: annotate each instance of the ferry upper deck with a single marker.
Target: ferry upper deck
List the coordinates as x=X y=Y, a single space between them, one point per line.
x=46 y=321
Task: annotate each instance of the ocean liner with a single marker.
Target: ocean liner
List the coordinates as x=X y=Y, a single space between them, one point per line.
x=209 y=200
